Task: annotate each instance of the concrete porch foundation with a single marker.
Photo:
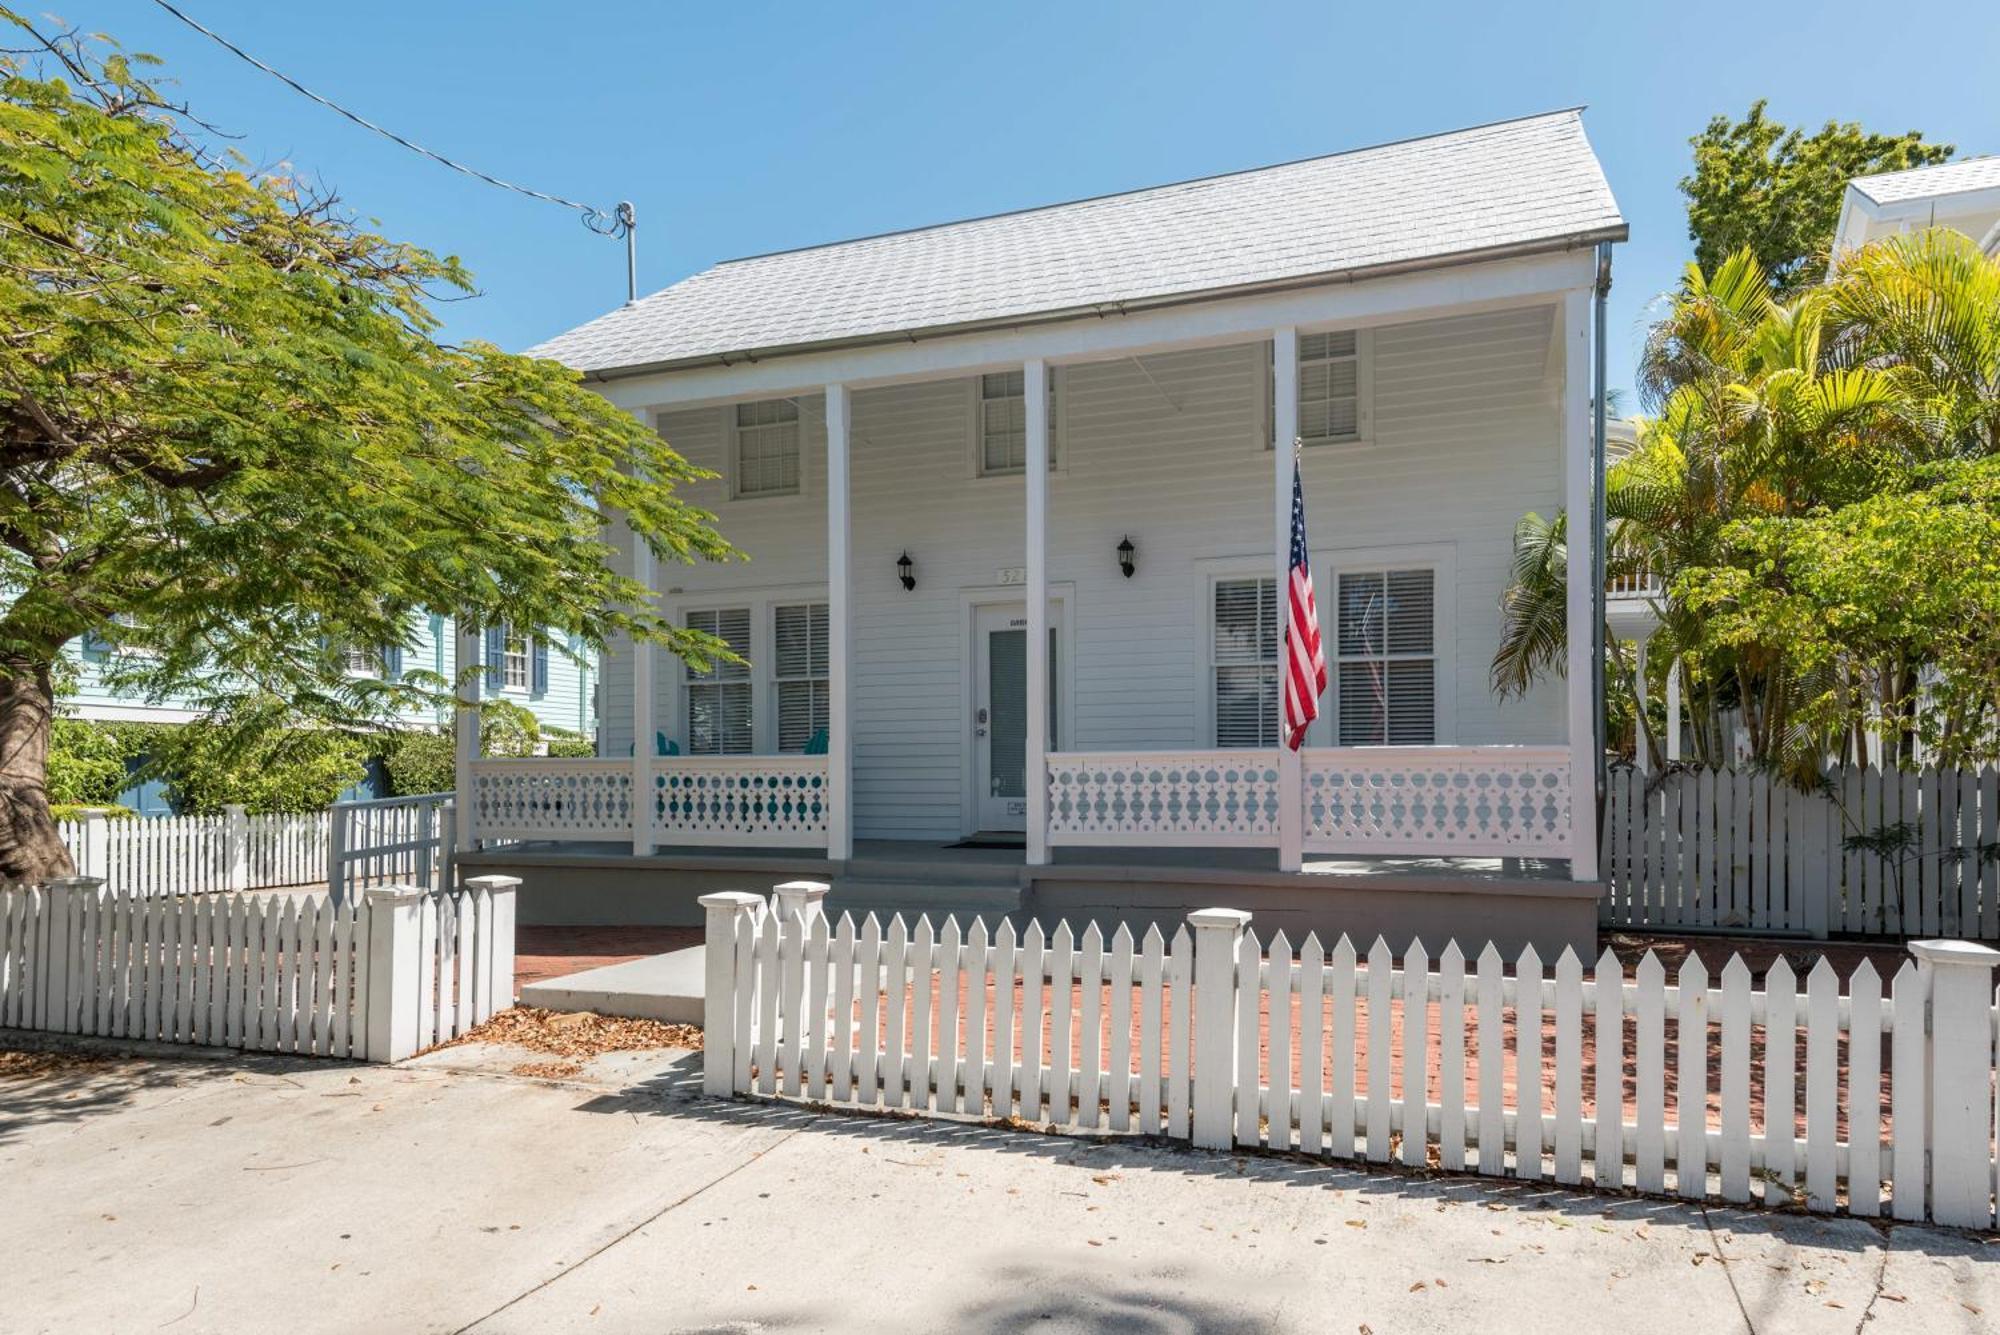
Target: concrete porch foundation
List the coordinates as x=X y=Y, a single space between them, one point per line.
x=1510 y=902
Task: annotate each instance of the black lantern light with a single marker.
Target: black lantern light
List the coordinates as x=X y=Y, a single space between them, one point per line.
x=903 y=568
x=1126 y=551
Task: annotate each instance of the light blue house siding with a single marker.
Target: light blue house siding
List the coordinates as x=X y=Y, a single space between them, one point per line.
x=559 y=689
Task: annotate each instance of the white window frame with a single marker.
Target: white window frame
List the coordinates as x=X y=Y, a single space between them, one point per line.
x=1213 y=572
x=777 y=681
x=509 y=638
x=976 y=419
x=671 y=700
x=691 y=681
x=363 y=662
x=733 y=448
x=1364 y=408
x=1438 y=558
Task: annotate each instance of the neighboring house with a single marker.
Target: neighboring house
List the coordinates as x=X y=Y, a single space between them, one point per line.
x=523 y=668
x=1054 y=427
x=1962 y=195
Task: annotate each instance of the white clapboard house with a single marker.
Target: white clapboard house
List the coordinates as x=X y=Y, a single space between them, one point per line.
x=1018 y=534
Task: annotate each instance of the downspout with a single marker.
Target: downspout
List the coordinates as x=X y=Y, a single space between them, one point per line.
x=1597 y=520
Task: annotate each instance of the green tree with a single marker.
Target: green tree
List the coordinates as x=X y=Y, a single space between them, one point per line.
x=232 y=447
x=1775 y=192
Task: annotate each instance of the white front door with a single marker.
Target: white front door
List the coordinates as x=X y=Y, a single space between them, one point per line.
x=1000 y=713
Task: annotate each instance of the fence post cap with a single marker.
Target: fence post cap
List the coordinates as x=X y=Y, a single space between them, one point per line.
x=494 y=881
x=1230 y=918
x=1955 y=952
x=804 y=889
x=730 y=899
x=391 y=894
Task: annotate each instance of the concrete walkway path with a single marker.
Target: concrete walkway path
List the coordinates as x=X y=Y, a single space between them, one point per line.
x=452 y=1195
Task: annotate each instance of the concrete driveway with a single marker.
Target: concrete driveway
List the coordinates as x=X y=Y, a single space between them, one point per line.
x=254 y=1194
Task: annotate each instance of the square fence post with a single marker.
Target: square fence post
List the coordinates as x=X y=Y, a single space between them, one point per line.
x=235 y=847
x=496 y=990
x=729 y=913
x=1959 y=1072
x=395 y=940
x=96 y=859
x=1217 y=935
x=336 y=851
x=805 y=899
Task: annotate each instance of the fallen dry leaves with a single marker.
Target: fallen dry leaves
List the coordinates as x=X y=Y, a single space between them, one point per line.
x=576 y=1034
x=36 y=1065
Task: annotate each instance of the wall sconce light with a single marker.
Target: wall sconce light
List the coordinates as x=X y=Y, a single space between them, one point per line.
x=903 y=568
x=1126 y=551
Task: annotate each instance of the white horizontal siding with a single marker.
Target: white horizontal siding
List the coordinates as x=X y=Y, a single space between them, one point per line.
x=1169 y=453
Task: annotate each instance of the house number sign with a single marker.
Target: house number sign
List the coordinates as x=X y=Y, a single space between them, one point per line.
x=1014 y=574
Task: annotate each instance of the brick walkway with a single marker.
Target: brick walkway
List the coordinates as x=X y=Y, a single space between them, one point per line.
x=550 y=952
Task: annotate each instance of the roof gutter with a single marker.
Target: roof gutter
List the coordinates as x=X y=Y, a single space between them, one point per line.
x=1596 y=237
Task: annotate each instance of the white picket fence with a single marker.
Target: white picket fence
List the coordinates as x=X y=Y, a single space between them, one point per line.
x=192 y=855
x=1169 y=1038
x=1740 y=849
x=376 y=980
x=402 y=839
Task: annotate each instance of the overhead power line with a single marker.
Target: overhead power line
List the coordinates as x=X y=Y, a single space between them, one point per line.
x=618 y=222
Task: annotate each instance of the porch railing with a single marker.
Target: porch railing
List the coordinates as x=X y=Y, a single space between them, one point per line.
x=1448 y=801
x=1151 y=798
x=773 y=800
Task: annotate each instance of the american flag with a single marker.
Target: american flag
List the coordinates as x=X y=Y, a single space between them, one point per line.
x=1305 y=660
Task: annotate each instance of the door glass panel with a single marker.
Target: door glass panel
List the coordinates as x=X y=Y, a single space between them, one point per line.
x=1007 y=688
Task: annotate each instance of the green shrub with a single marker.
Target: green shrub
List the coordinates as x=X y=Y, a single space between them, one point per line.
x=77 y=811
x=296 y=769
x=572 y=746
x=87 y=764
x=418 y=762
x=507 y=729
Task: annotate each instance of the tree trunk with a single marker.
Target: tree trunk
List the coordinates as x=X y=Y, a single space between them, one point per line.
x=31 y=848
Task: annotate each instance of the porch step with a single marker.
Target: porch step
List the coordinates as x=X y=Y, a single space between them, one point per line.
x=988 y=897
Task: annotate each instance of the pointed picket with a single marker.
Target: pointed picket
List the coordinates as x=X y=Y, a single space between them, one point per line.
x=949 y=963
x=841 y=964
x=1415 y=1055
x=791 y=998
x=1492 y=1063
x=1528 y=1093
x=769 y=992
x=1569 y=1068
x=1006 y=1061
x=1451 y=1058
x=1118 y=1091
x=1381 y=1049
x=814 y=1059
x=1822 y=1084
x=1033 y=1081
x=748 y=1011
x=1248 y=992
x=1607 y=1087
x=923 y=944
x=1341 y=1048
x=895 y=995
x=1864 y=1091
x=1312 y=1046
x=1180 y=1031
x=1691 y=1081
x=1062 y=1015
x=1781 y=1002
x=1735 y=1156
x=1909 y=1080
x=1090 y=1035
x=1152 y=995
x=1278 y=1112
x=1650 y=1054
x=978 y=973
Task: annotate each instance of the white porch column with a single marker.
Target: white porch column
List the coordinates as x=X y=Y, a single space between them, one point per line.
x=1035 y=389
x=839 y=643
x=645 y=672
x=1585 y=639
x=1285 y=460
x=465 y=740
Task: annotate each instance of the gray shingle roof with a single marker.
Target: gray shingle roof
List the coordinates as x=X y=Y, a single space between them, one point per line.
x=1512 y=184
x=1946 y=178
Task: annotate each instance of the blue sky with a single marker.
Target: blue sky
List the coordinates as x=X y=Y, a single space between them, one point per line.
x=740 y=128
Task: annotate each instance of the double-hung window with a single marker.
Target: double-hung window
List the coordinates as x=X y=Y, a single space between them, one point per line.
x=363 y=662
x=1245 y=617
x=1387 y=661
x=800 y=667
x=719 y=698
x=765 y=448
x=1003 y=422
x=1333 y=387
x=514 y=661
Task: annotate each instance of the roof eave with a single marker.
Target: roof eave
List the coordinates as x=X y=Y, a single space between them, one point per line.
x=1478 y=255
